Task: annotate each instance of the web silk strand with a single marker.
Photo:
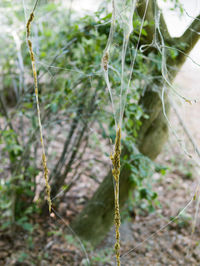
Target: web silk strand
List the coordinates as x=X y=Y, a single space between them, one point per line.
x=44 y=160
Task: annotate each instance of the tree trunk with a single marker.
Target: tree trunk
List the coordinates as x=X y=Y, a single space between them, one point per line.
x=94 y=222
x=154 y=130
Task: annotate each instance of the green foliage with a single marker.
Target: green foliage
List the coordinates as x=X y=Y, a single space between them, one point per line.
x=23 y=257
x=176 y=5
x=162 y=169
x=66 y=92
x=24 y=224
x=133 y=115
x=11 y=146
x=142 y=169
x=104 y=256
x=73 y=97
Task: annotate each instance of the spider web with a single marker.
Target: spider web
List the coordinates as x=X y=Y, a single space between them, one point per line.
x=122 y=16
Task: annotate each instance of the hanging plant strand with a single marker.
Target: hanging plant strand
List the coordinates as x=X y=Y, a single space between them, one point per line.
x=115 y=158
x=44 y=160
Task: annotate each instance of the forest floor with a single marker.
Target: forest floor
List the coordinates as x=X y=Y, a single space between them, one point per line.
x=147 y=238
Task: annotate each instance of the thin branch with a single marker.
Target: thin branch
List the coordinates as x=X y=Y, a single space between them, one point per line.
x=150 y=16
x=32 y=57
x=35 y=6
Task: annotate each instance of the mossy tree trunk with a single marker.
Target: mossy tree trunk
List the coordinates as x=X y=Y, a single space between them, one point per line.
x=95 y=220
x=97 y=217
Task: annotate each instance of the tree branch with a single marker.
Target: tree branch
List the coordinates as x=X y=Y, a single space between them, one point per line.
x=190 y=37
x=150 y=17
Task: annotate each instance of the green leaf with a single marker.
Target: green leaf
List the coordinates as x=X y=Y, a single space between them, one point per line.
x=54 y=107
x=27 y=227
x=50 y=7
x=144 y=193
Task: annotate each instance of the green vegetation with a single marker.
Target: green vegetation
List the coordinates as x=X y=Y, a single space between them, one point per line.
x=76 y=113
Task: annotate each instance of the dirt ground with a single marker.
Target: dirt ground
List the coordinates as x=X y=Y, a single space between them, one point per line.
x=148 y=239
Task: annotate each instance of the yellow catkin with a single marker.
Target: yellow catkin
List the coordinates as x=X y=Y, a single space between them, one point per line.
x=115 y=158
x=44 y=160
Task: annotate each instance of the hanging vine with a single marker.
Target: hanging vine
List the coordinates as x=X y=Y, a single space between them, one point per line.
x=44 y=160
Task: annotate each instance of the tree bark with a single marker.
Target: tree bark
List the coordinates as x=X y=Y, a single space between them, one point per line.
x=96 y=219
x=154 y=130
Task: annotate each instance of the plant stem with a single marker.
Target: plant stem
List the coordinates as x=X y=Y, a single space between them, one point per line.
x=44 y=161
x=115 y=158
